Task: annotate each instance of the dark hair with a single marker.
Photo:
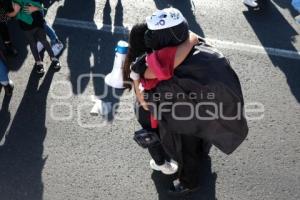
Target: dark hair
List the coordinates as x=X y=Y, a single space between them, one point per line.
x=137 y=48
x=173 y=36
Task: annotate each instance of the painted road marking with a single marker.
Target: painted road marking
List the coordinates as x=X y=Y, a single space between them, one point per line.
x=97 y=25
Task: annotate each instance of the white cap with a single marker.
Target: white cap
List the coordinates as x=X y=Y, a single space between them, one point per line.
x=166 y=18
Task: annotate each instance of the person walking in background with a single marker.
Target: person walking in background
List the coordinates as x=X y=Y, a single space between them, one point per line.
x=33 y=26
x=6 y=7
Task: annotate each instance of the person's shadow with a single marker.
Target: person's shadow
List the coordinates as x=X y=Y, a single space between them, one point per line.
x=91 y=52
x=21 y=155
x=187 y=9
x=273 y=30
x=79 y=43
x=207 y=189
x=106 y=56
x=5 y=116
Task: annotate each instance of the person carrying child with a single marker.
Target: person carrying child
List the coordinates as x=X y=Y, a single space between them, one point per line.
x=33 y=26
x=56 y=44
x=165 y=53
x=202 y=77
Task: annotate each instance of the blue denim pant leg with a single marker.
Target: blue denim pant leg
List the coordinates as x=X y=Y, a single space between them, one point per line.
x=51 y=33
x=3 y=72
x=296 y=4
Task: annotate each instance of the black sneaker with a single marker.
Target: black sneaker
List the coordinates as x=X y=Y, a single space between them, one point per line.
x=55 y=64
x=10 y=49
x=9 y=88
x=39 y=69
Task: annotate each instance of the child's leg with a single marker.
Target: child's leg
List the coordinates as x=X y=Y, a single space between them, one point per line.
x=41 y=36
x=51 y=33
x=57 y=46
x=31 y=37
x=157 y=152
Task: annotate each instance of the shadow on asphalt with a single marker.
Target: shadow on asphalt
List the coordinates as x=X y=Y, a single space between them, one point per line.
x=187 y=9
x=273 y=30
x=21 y=155
x=91 y=53
x=207 y=189
x=5 y=116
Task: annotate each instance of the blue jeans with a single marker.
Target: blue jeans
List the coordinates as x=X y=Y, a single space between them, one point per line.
x=3 y=72
x=51 y=33
x=296 y=5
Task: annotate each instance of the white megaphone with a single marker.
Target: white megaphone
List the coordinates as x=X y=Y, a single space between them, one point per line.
x=115 y=77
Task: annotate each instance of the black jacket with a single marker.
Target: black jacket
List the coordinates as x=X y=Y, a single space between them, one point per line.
x=206 y=81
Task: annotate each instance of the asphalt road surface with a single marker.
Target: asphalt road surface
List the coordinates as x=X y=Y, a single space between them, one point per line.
x=51 y=148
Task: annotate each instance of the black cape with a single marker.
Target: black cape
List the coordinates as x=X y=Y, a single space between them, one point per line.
x=205 y=83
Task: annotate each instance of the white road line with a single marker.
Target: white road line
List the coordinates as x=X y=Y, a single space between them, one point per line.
x=97 y=25
x=255 y=49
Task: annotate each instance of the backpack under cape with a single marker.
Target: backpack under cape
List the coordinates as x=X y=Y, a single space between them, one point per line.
x=206 y=82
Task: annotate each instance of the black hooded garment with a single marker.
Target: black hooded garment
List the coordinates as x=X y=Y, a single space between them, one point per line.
x=207 y=82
